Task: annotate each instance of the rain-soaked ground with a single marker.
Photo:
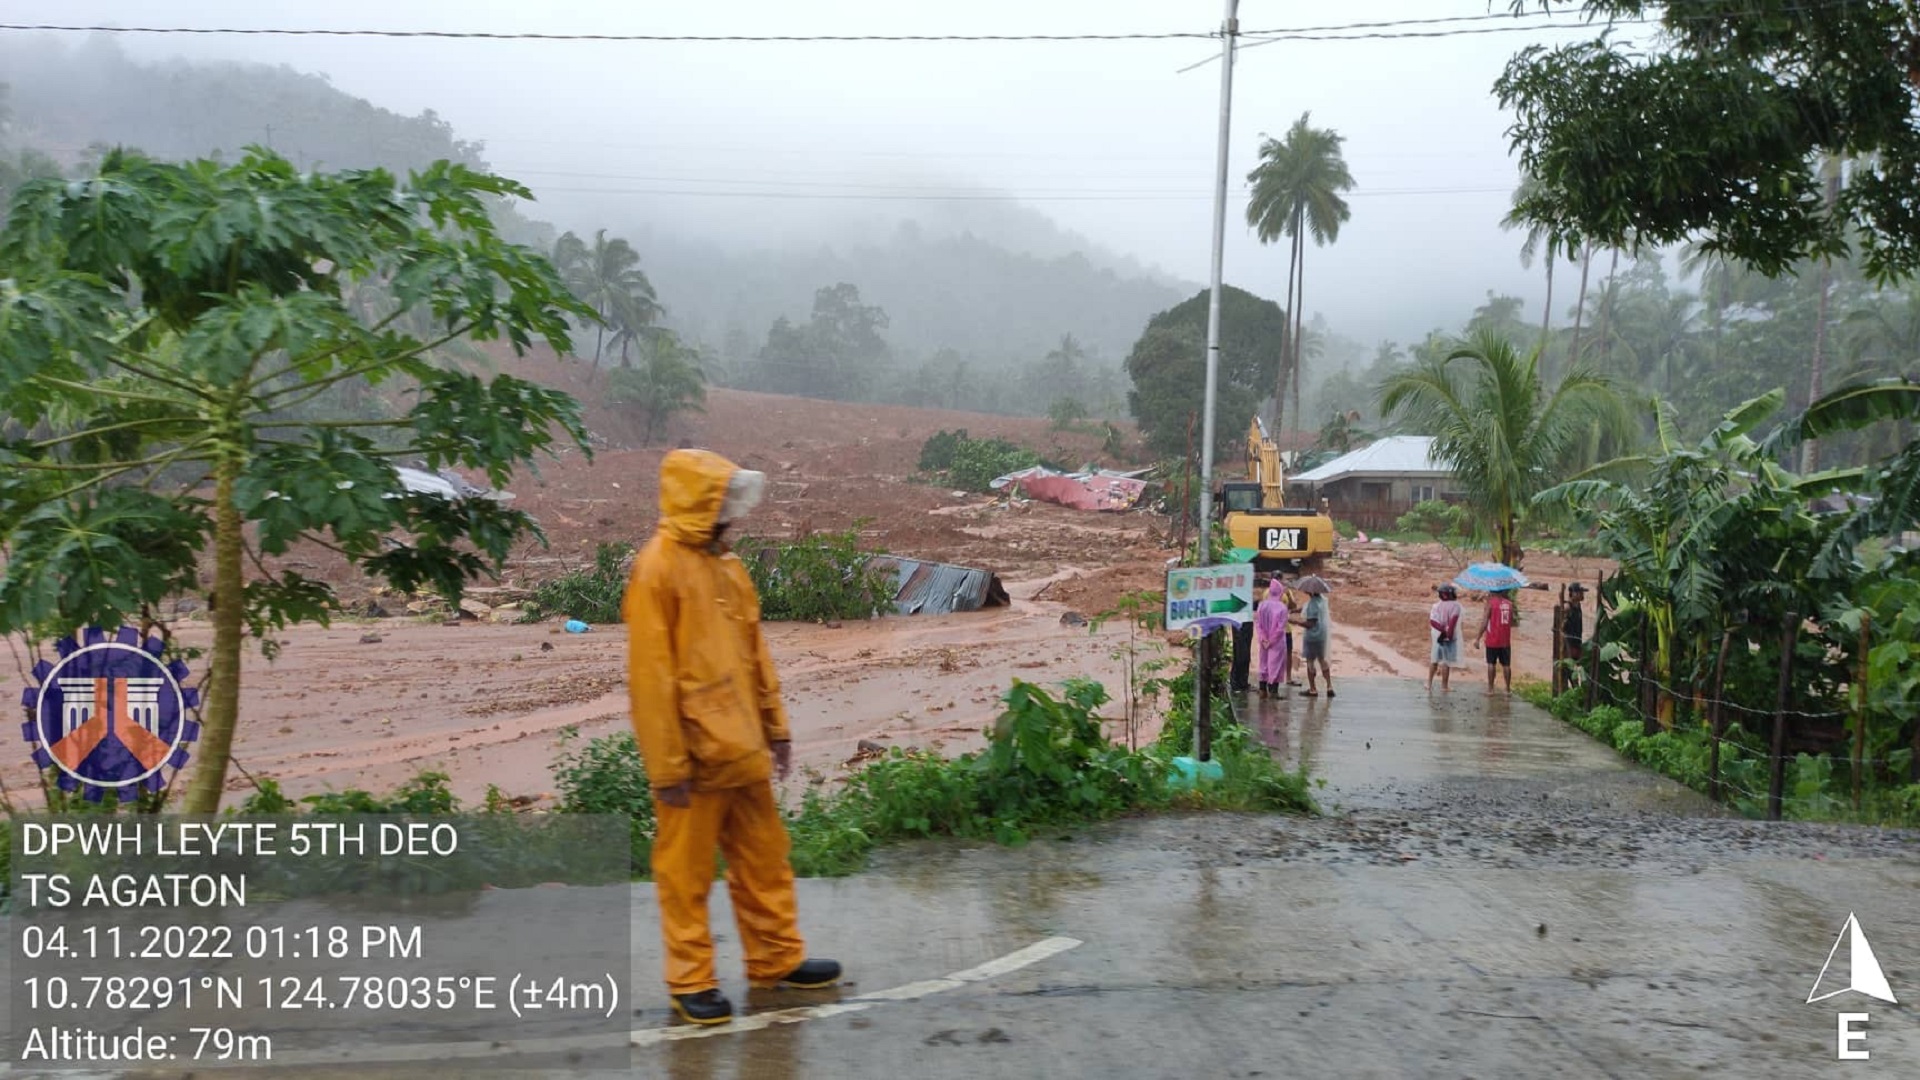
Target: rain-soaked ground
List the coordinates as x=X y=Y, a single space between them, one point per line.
x=1491 y=894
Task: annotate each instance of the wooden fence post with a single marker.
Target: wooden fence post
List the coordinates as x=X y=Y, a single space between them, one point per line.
x=1776 y=787
x=1593 y=644
x=1716 y=722
x=1559 y=641
x=1860 y=709
x=1648 y=722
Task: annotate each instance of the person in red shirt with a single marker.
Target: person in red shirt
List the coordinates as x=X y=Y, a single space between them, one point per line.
x=1497 y=632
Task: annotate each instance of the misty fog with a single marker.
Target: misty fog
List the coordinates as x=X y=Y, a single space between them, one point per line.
x=1045 y=147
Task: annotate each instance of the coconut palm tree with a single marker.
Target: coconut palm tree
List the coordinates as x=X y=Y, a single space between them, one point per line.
x=1296 y=193
x=1537 y=238
x=606 y=276
x=1580 y=306
x=1503 y=433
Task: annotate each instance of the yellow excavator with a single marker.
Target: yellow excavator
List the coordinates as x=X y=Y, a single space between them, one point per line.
x=1256 y=516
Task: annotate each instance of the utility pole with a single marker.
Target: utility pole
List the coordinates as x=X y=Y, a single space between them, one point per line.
x=1203 y=684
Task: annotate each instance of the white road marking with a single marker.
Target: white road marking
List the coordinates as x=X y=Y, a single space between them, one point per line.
x=1013 y=961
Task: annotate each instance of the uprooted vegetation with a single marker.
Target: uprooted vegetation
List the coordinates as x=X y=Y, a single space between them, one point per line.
x=814 y=578
x=818 y=578
x=973 y=464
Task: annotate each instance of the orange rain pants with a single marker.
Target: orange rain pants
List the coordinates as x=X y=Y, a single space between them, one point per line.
x=744 y=824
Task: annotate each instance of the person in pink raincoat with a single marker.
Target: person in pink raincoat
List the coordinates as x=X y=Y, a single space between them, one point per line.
x=1270 y=630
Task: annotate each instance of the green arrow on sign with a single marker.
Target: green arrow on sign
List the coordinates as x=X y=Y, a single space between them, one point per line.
x=1229 y=605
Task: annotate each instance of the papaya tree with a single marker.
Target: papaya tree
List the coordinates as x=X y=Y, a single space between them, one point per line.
x=163 y=328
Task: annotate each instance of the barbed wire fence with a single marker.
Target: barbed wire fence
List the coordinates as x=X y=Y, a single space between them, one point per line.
x=1737 y=771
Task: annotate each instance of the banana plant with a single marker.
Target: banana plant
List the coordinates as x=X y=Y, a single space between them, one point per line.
x=1681 y=521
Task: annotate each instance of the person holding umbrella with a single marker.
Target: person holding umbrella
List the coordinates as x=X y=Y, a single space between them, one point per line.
x=1319 y=631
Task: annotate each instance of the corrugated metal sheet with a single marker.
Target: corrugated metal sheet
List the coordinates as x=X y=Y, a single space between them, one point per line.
x=927 y=588
x=1097 y=490
x=1395 y=454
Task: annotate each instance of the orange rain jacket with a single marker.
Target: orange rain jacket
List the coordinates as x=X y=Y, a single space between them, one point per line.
x=705 y=699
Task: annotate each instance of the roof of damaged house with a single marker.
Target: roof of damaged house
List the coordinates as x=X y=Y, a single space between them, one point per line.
x=929 y=588
x=1395 y=455
x=1099 y=489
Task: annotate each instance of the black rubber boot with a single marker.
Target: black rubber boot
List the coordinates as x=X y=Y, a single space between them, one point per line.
x=705 y=1007
x=812 y=974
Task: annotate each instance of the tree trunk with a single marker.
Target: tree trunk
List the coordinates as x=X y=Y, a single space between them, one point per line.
x=1606 y=307
x=1580 y=309
x=222 y=710
x=1299 y=337
x=1286 y=343
x=1810 y=450
x=1546 y=317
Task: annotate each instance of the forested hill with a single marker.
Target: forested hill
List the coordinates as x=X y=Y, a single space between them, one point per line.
x=66 y=99
x=959 y=292
x=1000 y=286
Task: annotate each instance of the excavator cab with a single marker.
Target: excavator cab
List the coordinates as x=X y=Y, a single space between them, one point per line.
x=1237 y=497
x=1256 y=517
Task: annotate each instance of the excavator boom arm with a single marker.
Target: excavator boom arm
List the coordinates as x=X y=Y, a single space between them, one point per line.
x=1263 y=465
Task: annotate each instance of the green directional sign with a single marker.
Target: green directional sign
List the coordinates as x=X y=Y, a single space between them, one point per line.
x=1195 y=593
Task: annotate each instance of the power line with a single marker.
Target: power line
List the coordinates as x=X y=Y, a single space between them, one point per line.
x=492 y=35
x=1532 y=20
x=779 y=183
x=985 y=196
x=1386 y=29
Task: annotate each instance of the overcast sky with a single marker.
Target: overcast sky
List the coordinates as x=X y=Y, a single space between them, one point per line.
x=1108 y=138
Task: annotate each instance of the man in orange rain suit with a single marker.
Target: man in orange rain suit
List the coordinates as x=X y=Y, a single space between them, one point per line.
x=707 y=713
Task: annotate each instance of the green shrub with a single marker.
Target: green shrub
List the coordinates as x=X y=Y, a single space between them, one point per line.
x=590 y=595
x=827 y=841
x=1066 y=412
x=1048 y=763
x=973 y=464
x=936 y=454
x=1898 y=806
x=1433 y=518
x=821 y=577
x=606 y=776
x=1251 y=779
x=1815 y=785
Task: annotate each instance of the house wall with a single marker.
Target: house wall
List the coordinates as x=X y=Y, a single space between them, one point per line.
x=1374 y=503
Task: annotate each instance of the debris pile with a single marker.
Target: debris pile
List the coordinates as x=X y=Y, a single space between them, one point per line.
x=1093 y=489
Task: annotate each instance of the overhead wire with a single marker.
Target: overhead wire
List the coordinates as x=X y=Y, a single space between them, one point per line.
x=1198 y=196
x=1387 y=28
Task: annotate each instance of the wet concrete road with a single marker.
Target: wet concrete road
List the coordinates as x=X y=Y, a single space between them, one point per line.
x=1491 y=895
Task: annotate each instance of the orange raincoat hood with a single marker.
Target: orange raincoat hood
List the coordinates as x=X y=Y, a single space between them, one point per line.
x=693 y=484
